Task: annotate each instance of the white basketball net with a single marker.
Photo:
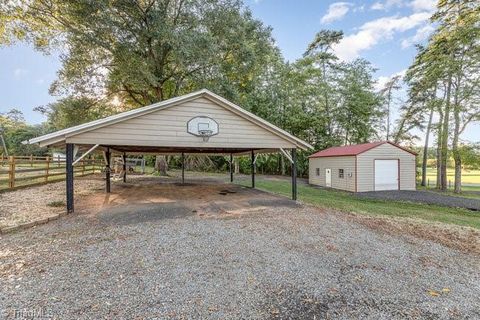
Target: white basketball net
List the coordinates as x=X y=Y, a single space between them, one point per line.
x=205 y=134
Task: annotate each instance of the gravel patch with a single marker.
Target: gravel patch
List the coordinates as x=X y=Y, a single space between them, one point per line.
x=424 y=197
x=34 y=203
x=168 y=259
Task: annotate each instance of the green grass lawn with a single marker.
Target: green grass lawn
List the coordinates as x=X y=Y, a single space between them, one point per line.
x=344 y=201
x=470 y=178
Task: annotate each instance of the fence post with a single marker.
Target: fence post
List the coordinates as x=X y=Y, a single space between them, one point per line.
x=47 y=168
x=58 y=160
x=93 y=165
x=83 y=167
x=31 y=160
x=11 y=173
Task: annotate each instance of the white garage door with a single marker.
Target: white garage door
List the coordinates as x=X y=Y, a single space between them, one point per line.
x=386 y=175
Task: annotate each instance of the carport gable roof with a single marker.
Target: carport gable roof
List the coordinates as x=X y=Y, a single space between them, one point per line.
x=353 y=150
x=60 y=136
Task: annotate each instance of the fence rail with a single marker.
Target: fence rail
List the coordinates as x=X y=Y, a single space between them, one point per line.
x=18 y=171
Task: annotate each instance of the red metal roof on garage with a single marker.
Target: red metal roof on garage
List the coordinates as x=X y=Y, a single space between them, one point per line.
x=353 y=150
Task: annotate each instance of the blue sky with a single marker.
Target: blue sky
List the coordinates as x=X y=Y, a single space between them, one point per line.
x=381 y=31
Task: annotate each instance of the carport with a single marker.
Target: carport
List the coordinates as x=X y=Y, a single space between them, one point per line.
x=197 y=123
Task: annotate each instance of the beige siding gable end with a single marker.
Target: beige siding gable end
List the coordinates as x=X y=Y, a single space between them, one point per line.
x=168 y=127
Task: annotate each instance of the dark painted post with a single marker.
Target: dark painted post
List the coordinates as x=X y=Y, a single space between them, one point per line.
x=253 y=169
x=294 y=174
x=107 y=171
x=124 y=167
x=183 y=168
x=69 y=176
x=231 y=167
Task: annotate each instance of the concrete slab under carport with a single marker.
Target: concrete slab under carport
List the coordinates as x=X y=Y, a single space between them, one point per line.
x=144 y=198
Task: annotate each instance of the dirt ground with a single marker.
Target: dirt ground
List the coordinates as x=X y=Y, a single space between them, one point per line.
x=202 y=196
x=156 y=249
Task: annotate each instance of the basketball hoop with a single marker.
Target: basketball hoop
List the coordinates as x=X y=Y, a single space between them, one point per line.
x=205 y=134
x=203 y=127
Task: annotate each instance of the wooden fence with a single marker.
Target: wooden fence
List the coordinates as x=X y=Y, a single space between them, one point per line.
x=18 y=171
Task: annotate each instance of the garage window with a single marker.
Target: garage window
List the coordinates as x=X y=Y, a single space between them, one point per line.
x=340 y=173
x=317 y=171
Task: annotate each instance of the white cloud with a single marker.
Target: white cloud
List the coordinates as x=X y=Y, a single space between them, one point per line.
x=378 y=6
x=423 y=5
x=19 y=73
x=387 y=4
x=336 y=11
x=422 y=34
x=375 y=31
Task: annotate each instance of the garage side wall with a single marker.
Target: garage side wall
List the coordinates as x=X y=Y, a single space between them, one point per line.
x=365 y=167
x=168 y=127
x=333 y=163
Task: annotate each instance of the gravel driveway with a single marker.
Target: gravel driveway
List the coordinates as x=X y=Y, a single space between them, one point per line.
x=245 y=254
x=424 y=197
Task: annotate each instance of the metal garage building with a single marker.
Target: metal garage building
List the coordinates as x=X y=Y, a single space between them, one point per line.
x=199 y=122
x=364 y=167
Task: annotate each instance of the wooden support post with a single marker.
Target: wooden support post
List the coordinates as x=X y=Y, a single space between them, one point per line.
x=69 y=176
x=31 y=160
x=183 y=168
x=11 y=172
x=47 y=169
x=124 y=167
x=294 y=174
x=253 y=169
x=231 y=167
x=107 y=171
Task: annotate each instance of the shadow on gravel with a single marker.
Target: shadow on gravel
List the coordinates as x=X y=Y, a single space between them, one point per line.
x=141 y=213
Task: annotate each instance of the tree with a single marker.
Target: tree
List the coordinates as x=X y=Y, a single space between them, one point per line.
x=359 y=110
x=15 y=131
x=320 y=53
x=449 y=66
x=470 y=154
x=143 y=52
x=387 y=92
x=71 y=111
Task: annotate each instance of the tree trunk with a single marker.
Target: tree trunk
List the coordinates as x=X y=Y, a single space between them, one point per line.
x=456 y=153
x=161 y=165
x=458 y=169
x=425 y=150
x=388 y=113
x=282 y=164
x=444 y=147
x=439 y=147
x=237 y=166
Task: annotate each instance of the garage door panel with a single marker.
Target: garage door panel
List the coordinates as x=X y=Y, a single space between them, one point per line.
x=386 y=175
